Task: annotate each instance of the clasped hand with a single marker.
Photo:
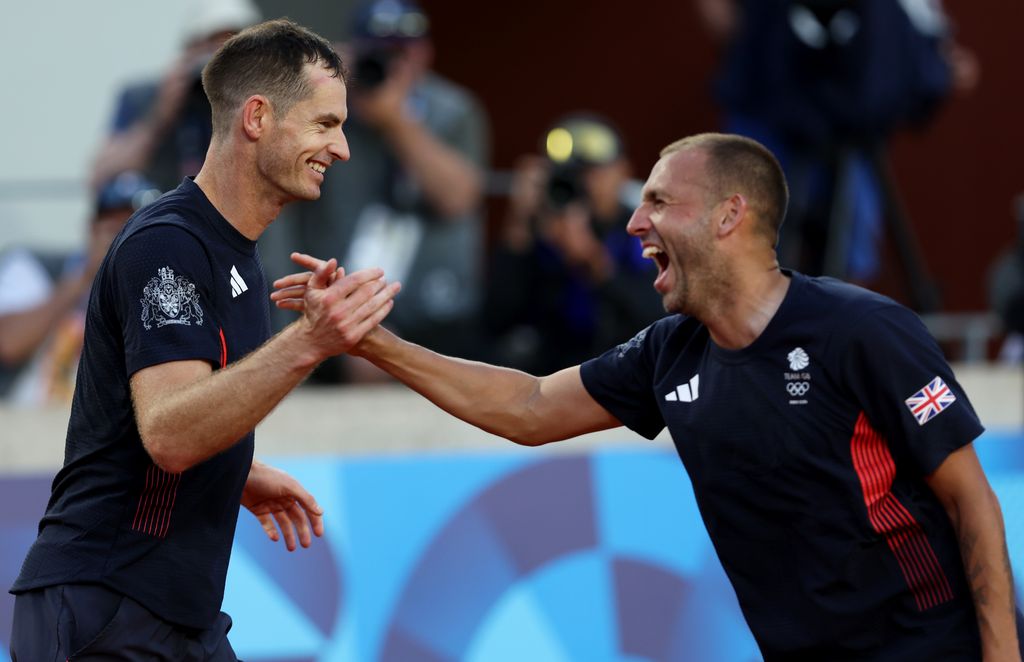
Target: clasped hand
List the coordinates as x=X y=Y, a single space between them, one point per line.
x=338 y=309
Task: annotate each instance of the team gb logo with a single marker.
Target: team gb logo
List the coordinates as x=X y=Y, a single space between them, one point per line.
x=170 y=299
x=798 y=359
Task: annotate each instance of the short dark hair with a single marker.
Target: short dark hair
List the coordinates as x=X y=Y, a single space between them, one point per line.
x=737 y=164
x=266 y=59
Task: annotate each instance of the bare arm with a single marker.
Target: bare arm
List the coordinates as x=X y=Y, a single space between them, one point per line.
x=133 y=148
x=513 y=404
x=23 y=332
x=961 y=486
x=451 y=182
x=187 y=413
x=526 y=409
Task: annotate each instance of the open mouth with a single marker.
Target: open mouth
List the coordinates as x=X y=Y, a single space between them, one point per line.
x=317 y=167
x=658 y=256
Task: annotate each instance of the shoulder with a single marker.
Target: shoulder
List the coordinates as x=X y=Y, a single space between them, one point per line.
x=163 y=234
x=857 y=321
x=841 y=304
x=665 y=332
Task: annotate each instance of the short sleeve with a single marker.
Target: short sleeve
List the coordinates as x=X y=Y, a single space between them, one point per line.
x=162 y=289
x=898 y=374
x=621 y=380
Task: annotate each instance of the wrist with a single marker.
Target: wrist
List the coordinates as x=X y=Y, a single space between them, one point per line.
x=299 y=346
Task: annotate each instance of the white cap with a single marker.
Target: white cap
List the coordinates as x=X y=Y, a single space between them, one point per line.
x=208 y=17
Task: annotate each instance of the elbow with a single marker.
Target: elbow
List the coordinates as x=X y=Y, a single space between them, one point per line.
x=527 y=435
x=165 y=453
x=533 y=442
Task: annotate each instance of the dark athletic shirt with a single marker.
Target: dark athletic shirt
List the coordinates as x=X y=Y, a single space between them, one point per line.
x=807 y=452
x=179 y=283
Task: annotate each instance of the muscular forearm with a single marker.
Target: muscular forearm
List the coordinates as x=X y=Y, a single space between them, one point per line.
x=979 y=527
x=206 y=415
x=451 y=183
x=492 y=398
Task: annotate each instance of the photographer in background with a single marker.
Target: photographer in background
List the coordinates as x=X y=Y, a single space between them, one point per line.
x=162 y=127
x=824 y=84
x=43 y=297
x=411 y=203
x=565 y=278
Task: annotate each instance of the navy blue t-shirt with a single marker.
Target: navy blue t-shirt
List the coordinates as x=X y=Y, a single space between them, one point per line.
x=807 y=451
x=179 y=283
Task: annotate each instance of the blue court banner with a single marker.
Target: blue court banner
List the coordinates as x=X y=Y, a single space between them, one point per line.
x=489 y=557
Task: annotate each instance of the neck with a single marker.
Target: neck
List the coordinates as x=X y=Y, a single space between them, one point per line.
x=754 y=298
x=232 y=185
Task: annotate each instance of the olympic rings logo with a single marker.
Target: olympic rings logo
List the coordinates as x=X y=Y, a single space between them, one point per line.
x=797 y=389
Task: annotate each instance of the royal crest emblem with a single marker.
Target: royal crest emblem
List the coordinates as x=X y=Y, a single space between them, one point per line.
x=633 y=343
x=170 y=299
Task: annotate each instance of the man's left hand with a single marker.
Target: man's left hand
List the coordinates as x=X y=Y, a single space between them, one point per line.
x=275 y=497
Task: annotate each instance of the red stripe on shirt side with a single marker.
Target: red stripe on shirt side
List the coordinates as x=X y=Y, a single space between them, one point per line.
x=159 y=485
x=156 y=503
x=876 y=471
x=223 y=349
x=175 y=481
x=138 y=510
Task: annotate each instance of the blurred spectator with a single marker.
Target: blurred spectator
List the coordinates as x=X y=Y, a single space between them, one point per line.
x=43 y=297
x=566 y=280
x=1006 y=291
x=823 y=84
x=162 y=127
x=410 y=201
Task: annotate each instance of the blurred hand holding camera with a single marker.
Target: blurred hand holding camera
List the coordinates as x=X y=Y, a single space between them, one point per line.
x=570 y=232
x=381 y=104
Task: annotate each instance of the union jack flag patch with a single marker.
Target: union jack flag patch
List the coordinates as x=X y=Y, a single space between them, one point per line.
x=929 y=402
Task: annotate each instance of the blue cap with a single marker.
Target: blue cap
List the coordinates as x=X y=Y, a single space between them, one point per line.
x=128 y=190
x=390 y=20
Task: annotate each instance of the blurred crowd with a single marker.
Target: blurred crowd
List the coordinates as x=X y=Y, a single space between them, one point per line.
x=542 y=274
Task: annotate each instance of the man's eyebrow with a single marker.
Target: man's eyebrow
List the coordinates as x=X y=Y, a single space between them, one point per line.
x=652 y=193
x=329 y=119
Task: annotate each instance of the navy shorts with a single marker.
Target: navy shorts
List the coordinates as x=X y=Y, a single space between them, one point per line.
x=87 y=622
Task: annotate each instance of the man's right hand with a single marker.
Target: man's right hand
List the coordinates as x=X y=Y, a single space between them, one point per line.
x=338 y=310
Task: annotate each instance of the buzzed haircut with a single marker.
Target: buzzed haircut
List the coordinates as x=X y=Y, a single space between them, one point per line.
x=737 y=164
x=268 y=59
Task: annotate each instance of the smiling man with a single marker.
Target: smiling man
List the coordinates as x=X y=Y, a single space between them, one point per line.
x=177 y=370
x=827 y=440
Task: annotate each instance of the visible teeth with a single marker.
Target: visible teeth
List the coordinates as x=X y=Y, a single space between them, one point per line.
x=651 y=251
x=319 y=167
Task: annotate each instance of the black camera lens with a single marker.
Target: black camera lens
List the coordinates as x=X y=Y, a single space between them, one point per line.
x=371 y=68
x=564 y=186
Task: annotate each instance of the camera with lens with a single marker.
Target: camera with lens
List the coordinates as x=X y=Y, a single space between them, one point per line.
x=372 y=66
x=576 y=143
x=564 y=185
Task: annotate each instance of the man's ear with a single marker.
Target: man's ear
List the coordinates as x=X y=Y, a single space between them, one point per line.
x=255 y=115
x=734 y=212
